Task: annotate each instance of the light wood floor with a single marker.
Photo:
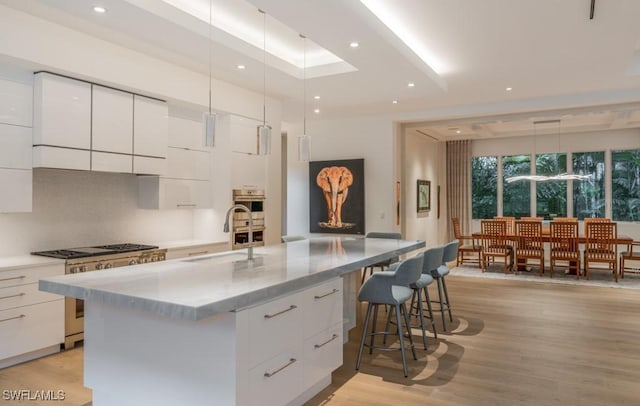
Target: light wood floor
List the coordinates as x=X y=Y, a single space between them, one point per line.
x=513 y=342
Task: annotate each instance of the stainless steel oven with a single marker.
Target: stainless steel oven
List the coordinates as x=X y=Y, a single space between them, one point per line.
x=101 y=258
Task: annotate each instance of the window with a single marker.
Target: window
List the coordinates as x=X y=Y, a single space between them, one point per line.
x=551 y=196
x=484 y=187
x=516 y=196
x=625 y=185
x=588 y=195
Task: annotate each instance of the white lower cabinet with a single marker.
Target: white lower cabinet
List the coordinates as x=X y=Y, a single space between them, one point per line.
x=167 y=193
x=31 y=321
x=289 y=347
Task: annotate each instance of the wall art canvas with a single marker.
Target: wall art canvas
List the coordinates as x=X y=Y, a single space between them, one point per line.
x=424 y=195
x=336 y=196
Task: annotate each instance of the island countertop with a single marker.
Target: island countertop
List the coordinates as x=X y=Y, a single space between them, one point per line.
x=200 y=287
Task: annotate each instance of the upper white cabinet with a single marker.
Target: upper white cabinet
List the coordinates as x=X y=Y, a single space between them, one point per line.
x=84 y=126
x=150 y=127
x=62 y=112
x=112 y=121
x=185 y=133
x=16 y=103
x=244 y=136
x=15 y=146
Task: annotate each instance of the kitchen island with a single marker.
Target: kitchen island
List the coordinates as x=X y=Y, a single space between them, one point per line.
x=219 y=329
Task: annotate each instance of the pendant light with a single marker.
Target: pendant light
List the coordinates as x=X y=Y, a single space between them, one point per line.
x=209 y=118
x=264 y=130
x=304 y=141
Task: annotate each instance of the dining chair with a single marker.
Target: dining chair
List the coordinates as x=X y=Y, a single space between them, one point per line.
x=566 y=219
x=529 y=244
x=601 y=246
x=390 y=288
x=564 y=245
x=631 y=254
x=495 y=244
x=384 y=264
x=469 y=248
x=531 y=218
x=510 y=221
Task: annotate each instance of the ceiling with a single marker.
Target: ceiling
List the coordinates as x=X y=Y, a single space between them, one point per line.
x=559 y=63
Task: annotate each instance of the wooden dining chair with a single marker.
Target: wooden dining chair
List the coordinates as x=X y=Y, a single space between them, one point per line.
x=511 y=223
x=631 y=254
x=588 y=220
x=564 y=245
x=529 y=244
x=601 y=246
x=531 y=218
x=470 y=250
x=495 y=244
x=569 y=219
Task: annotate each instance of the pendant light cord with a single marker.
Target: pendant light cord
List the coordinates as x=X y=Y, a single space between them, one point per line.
x=264 y=67
x=304 y=84
x=210 y=91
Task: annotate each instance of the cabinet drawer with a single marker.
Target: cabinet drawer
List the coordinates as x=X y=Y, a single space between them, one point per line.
x=23 y=276
x=30 y=328
x=322 y=354
x=273 y=327
x=61 y=158
x=277 y=381
x=323 y=306
x=24 y=295
x=143 y=165
x=108 y=162
x=15 y=147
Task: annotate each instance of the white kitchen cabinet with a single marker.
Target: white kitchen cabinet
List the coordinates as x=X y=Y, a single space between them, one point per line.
x=15 y=147
x=16 y=103
x=185 y=133
x=31 y=322
x=145 y=165
x=62 y=112
x=188 y=164
x=111 y=162
x=17 y=190
x=150 y=128
x=61 y=158
x=244 y=134
x=112 y=120
x=166 y=193
x=195 y=250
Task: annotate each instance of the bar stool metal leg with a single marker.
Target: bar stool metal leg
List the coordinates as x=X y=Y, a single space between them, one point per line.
x=401 y=338
x=364 y=335
x=440 y=299
x=446 y=297
x=403 y=307
x=430 y=309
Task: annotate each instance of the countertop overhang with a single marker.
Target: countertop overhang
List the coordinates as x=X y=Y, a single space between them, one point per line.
x=200 y=287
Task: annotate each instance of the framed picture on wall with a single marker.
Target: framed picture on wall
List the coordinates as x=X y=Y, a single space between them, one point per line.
x=424 y=195
x=336 y=196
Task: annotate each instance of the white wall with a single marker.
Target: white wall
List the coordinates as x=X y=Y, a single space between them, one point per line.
x=371 y=138
x=423 y=159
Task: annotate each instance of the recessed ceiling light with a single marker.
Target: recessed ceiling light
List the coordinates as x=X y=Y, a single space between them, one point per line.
x=316 y=97
x=354 y=44
x=99 y=9
x=411 y=84
x=509 y=89
x=241 y=67
x=316 y=111
x=394 y=102
x=458 y=131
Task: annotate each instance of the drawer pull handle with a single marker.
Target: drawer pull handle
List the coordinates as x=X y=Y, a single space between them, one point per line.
x=14 y=278
x=326 y=294
x=198 y=253
x=270 y=374
x=13 y=318
x=270 y=316
x=185 y=205
x=10 y=296
x=326 y=342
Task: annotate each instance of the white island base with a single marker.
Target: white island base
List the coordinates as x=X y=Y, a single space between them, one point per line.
x=276 y=353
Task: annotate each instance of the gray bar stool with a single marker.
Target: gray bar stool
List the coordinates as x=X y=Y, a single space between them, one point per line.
x=450 y=253
x=382 y=265
x=432 y=260
x=390 y=288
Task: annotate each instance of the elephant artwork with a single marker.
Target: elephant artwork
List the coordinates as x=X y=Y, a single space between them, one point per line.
x=334 y=182
x=336 y=196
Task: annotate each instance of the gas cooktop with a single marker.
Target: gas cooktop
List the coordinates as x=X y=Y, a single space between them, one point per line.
x=82 y=252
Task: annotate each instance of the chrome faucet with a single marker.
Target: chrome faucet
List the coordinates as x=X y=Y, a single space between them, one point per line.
x=226 y=226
